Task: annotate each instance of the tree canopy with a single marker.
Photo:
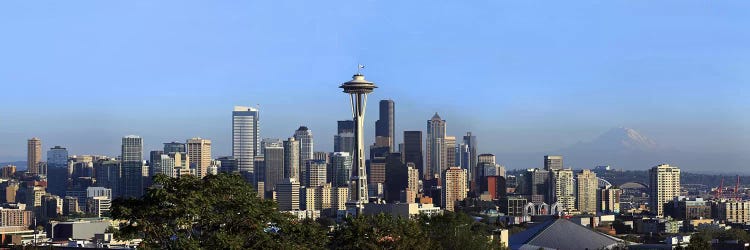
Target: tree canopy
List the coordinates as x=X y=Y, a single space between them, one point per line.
x=216 y=212
x=223 y=212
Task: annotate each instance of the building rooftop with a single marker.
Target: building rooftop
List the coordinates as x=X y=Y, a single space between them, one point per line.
x=562 y=234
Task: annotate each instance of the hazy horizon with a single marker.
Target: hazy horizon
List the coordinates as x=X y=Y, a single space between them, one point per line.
x=524 y=80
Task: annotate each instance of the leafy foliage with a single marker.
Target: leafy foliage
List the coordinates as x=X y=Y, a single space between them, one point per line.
x=448 y=231
x=216 y=212
x=223 y=212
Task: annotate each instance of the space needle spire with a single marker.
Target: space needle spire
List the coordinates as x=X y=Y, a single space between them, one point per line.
x=358 y=89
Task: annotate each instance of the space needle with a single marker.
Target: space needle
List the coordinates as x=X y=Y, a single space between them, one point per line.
x=358 y=89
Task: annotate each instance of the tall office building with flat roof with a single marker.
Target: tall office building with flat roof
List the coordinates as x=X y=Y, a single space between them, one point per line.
x=316 y=173
x=340 y=169
x=34 y=155
x=174 y=147
x=287 y=194
x=412 y=152
x=343 y=141
x=132 y=167
x=305 y=138
x=664 y=185
x=245 y=137
x=274 y=163
x=553 y=162
x=57 y=157
x=450 y=152
x=199 y=155
x=385 y=125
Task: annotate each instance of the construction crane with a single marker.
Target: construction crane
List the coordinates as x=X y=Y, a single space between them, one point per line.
x=737 y=189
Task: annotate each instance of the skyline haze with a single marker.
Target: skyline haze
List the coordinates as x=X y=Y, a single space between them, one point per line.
x=523 y=80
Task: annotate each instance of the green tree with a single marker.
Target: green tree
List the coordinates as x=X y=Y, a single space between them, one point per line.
x=216 y=212
x=379 y=232
x=458 y=231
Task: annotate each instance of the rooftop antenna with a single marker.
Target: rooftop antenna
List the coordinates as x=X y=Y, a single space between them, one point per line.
x=359 y=68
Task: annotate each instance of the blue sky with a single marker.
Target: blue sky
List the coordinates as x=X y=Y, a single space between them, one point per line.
x=522 y=76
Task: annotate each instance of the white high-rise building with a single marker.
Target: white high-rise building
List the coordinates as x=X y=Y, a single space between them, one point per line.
x=291 y=158
x=664 y=185
x=563 y=188
x=245 y=137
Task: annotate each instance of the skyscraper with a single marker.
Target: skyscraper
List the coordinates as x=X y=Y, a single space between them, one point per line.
x=484 y=162
x=412 y=186
x=384 y=126
x=608 y=200
x=450 y=152
x=132 y=166
x=358 y=89
x=305 y=138
x=470 y=159
x=537 y=185
x=563 y=189
x=324 y=156
x=664 y=185
x=57 y=157
x=34 y=155
x=436 y=158
x=553 y=162
x=586 y=189
x=454 y=187
x=287 y=194
x=343 y=141
x=172 y=147
x=274 y=163
x=396 y=177
x=229 y=165
x=199 y=155
x=413 y=149
x=154 y=163
x=291 y=158
x=107 y=174
x=167 y=163
x=486 y=158
x=245 y=137
x=316 y=173
x=340 y=168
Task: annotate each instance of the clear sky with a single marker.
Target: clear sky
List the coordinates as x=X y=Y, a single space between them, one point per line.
x=522 y=76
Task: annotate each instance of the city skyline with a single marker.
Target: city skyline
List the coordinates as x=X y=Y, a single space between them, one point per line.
x=507 y=87
x=375 y=124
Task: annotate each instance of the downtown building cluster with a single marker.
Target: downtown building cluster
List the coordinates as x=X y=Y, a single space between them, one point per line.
x=428 y=172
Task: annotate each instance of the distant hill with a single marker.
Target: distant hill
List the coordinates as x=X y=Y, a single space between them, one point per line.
x=618 y=177
x=626 y=148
